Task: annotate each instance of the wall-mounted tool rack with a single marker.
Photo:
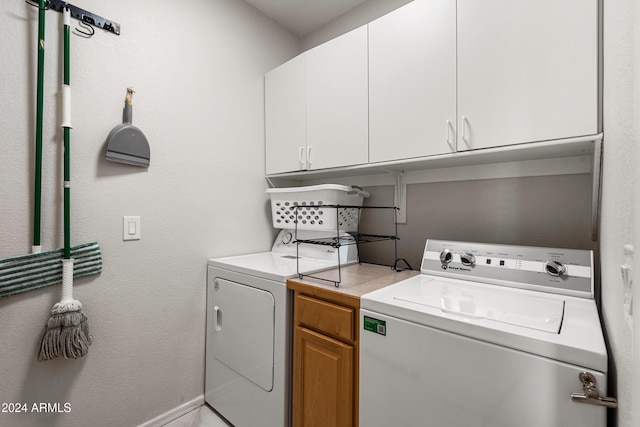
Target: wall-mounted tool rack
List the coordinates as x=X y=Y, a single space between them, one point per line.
x=341 y=239
x=82 y=15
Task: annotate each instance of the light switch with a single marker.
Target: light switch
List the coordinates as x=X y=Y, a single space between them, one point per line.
x=130 y=228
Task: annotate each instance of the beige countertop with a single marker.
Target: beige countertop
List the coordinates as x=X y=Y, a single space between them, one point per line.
x=356 y=280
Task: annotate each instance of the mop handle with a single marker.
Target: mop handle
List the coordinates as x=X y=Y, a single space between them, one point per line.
x=66 y=89
x=66 y=125
x=67 y=284
x=36 y=247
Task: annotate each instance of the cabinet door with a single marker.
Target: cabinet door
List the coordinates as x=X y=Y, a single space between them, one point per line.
x=323 y=380
x=527 y=71
x=285 y=117
x=412 y=81
x=337 y=106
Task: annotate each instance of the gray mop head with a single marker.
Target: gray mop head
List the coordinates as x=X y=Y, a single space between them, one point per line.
x=65 y=335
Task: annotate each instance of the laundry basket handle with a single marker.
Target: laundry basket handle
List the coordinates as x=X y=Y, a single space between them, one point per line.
x=359 y=191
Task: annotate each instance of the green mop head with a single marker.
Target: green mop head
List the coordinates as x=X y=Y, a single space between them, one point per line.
x=38 y=270
x=67 y=331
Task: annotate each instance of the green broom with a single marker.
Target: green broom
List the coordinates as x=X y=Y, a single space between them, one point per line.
x=67 y=331
x=37 y=196
x=39 y=269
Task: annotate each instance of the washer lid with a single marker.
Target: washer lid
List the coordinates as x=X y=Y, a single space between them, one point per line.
x=454 y=298
x=519 y=319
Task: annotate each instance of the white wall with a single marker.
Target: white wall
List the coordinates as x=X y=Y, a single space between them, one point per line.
x=635 y=373
x=197 y=68
x=621 y=135
x=506 y=210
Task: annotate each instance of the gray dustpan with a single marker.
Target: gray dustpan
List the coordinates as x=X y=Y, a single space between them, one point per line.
x=126 y=143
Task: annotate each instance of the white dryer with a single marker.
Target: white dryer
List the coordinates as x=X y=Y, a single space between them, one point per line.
x=248 y=327
x=487 y=335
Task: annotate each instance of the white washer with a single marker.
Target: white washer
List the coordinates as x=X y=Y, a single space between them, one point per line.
x=487 y=335
x=248 y=328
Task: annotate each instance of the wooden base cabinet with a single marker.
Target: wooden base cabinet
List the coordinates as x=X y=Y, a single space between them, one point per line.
x=324 y=375
x=325 y=360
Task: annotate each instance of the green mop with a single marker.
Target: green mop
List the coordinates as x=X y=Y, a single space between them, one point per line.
x=67 y=331
x=39 y=269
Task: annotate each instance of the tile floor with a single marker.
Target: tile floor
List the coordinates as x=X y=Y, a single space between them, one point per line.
x=204 y=416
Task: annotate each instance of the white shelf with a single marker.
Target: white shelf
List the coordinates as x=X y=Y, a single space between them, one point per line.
x=581 y=146
x=581 y=155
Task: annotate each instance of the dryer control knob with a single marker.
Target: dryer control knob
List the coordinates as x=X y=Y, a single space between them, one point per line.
x=468 y=259
x=555 y=268
x=446 y=256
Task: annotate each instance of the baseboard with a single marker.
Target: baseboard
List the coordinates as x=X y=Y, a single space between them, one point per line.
x=174 y=413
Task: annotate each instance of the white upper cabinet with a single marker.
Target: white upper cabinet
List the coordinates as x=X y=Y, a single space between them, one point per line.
x=317 y=107
x=436 y=77
x=412 y=81
x=527 y=71
x=337 y=102
x=285 y=117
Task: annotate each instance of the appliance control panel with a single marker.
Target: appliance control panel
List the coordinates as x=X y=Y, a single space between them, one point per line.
x=562 y=271
x=286 y=243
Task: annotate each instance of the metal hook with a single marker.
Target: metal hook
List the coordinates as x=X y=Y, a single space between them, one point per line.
x=35 y=3
x=81 y=31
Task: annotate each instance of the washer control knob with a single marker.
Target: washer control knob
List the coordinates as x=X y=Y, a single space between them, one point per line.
x=555 y=268
x=446 y=256
x=467 y=258
x=287 y=237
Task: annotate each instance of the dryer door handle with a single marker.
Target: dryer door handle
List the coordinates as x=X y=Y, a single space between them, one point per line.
x=218 y=318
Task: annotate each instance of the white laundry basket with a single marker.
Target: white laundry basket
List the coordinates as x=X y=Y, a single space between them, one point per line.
x=317 y=207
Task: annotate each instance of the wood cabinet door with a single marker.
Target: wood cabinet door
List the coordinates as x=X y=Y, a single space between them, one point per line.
x=412 y=81
x=285 y=117
x=323 y=378
x=527 y=71
x=337 y=106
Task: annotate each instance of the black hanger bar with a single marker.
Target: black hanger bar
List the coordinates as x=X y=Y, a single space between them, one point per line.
x=85 y=16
